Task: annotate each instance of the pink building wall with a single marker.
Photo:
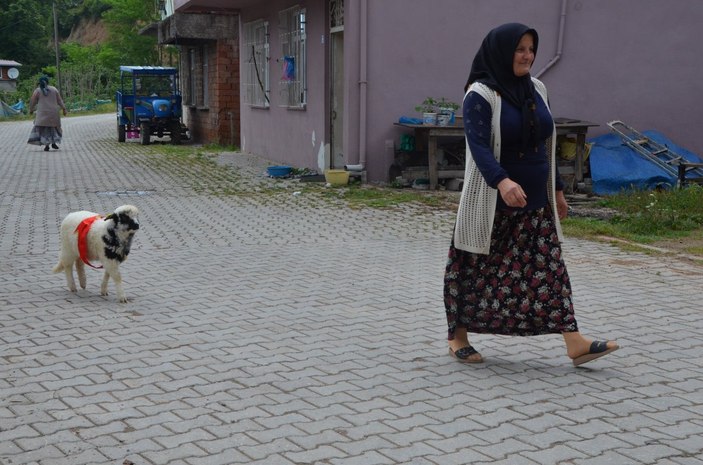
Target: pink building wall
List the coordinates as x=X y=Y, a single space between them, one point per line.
x=291 y=136
x=633 y=60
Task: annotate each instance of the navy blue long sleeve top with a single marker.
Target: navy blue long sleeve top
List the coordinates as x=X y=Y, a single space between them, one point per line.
x=530 y=170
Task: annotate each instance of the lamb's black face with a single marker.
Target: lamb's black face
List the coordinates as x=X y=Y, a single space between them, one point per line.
x=118 y=239
x=127 y=222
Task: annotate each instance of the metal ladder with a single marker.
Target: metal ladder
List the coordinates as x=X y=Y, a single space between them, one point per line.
x=669 y=161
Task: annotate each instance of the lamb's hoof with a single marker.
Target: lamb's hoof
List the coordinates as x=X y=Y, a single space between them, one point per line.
x=123 y=300
x=73 y=289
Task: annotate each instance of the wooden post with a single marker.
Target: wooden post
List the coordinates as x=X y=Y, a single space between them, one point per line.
x=56 y=49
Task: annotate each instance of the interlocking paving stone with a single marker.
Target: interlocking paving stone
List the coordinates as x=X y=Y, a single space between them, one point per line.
x=273 y=328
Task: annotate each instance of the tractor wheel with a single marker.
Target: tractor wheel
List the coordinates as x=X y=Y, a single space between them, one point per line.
x=175 y=133
x=144 y=134
x=120 y=132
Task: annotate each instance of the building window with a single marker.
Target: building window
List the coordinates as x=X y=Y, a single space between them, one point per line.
x=192 y=93
x=198 y=78
x=293 y=82
x=255 y=81
x=205 y=100
x=337 y=15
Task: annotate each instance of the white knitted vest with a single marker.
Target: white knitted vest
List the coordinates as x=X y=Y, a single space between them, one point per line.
x=474 y=223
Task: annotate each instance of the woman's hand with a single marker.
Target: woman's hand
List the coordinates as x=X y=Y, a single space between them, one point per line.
x=512 y=193
x=562 y=206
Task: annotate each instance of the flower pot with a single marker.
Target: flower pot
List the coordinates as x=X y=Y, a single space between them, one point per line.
x=429 y=118
x=448 y=112
x=443 y=119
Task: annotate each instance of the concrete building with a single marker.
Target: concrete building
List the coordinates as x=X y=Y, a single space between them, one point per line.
x=321 y=82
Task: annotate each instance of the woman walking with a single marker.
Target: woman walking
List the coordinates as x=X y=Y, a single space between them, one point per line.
x=505 y=274
x=47 y=101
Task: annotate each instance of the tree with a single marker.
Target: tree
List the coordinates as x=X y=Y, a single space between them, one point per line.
x=25 y=26
x=27 y=31
x=124 y=20
x=84 y=78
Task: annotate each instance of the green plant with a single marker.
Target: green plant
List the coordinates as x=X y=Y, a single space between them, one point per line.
x=429 y=105
x=444 y=104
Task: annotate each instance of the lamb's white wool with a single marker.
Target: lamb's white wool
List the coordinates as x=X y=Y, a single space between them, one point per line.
x=107 y=242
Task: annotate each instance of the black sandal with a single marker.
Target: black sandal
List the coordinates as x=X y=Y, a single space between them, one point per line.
x=464 y=353
x=597 y=350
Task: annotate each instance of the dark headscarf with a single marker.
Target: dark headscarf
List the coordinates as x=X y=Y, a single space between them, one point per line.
x=43 y=83
x=493 y=66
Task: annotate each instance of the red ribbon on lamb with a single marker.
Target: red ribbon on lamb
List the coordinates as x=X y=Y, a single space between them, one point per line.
x=82 y=230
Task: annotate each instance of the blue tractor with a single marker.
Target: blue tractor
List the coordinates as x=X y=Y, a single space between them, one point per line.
x=149 y=104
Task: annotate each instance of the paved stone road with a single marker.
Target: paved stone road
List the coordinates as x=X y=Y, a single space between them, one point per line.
x=278 y=328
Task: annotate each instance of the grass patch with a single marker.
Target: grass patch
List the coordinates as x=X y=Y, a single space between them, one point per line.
x=184 y=152
x=656 y=215
x=671 y=220
x=585 y=228
x=217 y=148
x=377 y=197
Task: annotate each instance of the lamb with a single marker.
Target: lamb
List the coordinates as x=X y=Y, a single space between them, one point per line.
x=87 y=236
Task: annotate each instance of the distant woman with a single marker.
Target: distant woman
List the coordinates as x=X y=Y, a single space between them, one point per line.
x=47 y=101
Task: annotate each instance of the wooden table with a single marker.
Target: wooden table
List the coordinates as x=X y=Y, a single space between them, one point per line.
x=432 y=133
x=579 y=128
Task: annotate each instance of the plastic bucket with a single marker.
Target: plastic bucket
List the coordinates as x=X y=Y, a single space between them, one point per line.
x=337 y=177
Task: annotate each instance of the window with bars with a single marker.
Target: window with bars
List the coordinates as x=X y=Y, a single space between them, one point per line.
x=336 y=15
x=205 y=96
x=293 y=82
x=198 y=77
x=191 y=78
x=255 y=81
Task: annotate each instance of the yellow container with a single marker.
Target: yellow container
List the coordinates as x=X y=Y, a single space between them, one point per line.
x=568 y=149
x=337 y=177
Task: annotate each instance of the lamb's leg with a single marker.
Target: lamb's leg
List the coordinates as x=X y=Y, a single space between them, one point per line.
x=80 y=270
x=114 y=272
x=68 y=270
x=103 y=284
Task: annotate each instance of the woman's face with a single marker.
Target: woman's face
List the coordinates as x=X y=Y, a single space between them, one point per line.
x=524 y=56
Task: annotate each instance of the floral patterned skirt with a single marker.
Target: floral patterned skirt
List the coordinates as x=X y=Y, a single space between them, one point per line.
x=520 y=288
x=45 y=135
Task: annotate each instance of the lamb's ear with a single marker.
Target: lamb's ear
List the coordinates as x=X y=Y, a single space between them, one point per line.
x=111 y=216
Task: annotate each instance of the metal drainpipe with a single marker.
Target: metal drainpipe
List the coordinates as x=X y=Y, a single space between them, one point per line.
x=560 y=40
x=363 y=75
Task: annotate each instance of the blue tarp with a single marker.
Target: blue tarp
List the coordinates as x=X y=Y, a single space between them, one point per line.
x=11 y=110
x=616 y=167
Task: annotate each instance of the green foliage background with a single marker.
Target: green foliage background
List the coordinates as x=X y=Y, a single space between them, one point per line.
x=87 y=73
